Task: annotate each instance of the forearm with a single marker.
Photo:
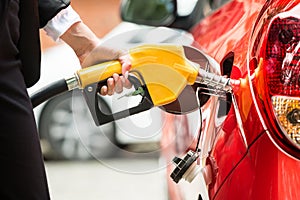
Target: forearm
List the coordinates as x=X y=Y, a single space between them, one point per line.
x=68 y=27
x=81 y=39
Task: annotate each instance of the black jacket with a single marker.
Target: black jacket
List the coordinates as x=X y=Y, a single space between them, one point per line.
x=34 y=14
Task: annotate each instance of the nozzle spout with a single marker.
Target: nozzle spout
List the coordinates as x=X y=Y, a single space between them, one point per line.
x=215 y=81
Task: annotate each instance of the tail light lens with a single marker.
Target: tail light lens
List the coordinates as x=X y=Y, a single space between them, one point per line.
x=283 y=57
x=282 y=73
x=287 y=111
x=277 y=77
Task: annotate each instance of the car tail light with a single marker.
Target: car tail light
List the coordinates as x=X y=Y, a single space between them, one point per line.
x=282 y=72
x=277 y=85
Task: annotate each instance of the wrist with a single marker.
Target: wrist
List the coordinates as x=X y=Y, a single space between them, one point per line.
x=81 y=39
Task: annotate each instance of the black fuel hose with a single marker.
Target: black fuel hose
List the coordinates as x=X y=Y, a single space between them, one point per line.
x=48 y=92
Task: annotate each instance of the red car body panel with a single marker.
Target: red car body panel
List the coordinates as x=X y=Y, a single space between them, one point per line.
x=263 y=173
x=246 y=162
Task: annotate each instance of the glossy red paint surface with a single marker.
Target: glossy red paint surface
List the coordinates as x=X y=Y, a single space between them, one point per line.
x=248 y=164
x=263 y=174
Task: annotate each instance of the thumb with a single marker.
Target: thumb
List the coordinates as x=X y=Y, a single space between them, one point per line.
x=126 y=63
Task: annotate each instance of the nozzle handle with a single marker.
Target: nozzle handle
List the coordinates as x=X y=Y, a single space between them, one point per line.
x=102 y=116
x=98 y=73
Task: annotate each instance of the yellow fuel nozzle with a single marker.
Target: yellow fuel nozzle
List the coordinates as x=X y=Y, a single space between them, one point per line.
x=164 y=69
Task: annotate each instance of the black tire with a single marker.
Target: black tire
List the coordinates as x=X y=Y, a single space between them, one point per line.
x=70 y=130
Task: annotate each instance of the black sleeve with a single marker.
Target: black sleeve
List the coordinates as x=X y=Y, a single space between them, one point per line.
x=49 y=8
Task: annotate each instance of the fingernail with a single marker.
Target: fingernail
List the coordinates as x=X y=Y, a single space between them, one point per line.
x=116 y=77
x=103 y=90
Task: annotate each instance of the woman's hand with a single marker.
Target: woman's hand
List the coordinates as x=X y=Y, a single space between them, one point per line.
x=100 y=54
x=116 y=83
x=89 y=51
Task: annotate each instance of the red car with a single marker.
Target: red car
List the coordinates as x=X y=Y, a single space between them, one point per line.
x=249 y=147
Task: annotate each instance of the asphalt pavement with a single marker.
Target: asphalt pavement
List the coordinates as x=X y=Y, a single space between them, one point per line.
x=119 y=178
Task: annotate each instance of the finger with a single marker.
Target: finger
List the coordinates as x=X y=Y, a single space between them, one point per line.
x=125 y=82
x=126 y=63
x=110 y=86
x=118 y=83
x=126 y=67
x=126 y=75
x=103 y=90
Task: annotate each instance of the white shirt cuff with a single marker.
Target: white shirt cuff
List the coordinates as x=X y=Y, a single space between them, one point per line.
x=58 y=25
